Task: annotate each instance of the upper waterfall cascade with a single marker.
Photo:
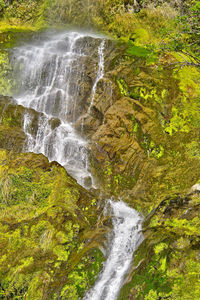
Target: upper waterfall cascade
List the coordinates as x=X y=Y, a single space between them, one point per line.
x=50 y=74
x=51 y=71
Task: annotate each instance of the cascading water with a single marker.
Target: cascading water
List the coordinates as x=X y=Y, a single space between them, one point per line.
x=100 y=73
x=126 y=237
x=50 y=74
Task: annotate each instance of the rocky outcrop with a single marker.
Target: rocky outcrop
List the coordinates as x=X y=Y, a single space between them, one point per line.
x=166 y=265
x=143 y=146
x=12 y=136
x=50 y=230
x=146 y=150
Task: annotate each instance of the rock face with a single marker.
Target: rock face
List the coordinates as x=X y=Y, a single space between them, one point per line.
x=146 y=150
x=167 y=263
x=12 y=136
x=143 y=128
x=49 y=230
x=49 y=225
x=145 y=147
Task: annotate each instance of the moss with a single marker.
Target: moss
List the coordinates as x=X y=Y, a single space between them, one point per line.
x=5 y=74
x=80 y=279
x=15 y=27
x=42 y=219
x=185 y=115
x=142 y=52
x=122 y=87
x=167 y=260
x=189 y=78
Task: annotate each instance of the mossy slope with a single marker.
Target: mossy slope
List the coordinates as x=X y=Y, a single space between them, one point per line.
x=166 y=265
x=49 y=234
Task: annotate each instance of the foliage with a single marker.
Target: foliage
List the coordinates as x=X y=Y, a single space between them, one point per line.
x=177 y=122
x=2 y=5
x=142 y=52
x=123 y=87
x=185 y=114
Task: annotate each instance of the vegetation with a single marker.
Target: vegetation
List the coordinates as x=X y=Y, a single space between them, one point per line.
x=171 y=265
x=50 y=232
x=44 y=218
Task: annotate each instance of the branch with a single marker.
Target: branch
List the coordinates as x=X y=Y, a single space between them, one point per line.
x=185 y=64
x=189 y=54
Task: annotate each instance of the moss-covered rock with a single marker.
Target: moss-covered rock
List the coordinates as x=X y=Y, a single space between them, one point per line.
x=149 y=137
x=50 y=237
x=12 y=136
x=167 y=263
x=147 y=151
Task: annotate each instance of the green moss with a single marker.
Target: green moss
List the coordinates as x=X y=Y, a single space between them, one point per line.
x=193 y=149
x=189 y=81
x=43 y=210
x=142 y=52
x=159 y=248
x=80 y=279
x=151 y=149
x=185 y=115
x=186 y=283
x=5 y=76
x=122 y=87
x=15 y=27
x=167 y=260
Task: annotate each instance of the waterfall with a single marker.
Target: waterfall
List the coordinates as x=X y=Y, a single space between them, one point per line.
x=126 y=237
x=50 y=72
x=100 y=73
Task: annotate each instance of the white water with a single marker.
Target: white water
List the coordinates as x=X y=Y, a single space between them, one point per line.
x=100 y=73
x=50 y=72
x=126 y=237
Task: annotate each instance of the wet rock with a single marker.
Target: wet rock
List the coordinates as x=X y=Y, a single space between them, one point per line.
x=12 y=136
x=54 y=123
x=195 y=188
x=88 y=182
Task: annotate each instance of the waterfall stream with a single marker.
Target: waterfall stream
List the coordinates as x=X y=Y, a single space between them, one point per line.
x=126 y=236
x=100 y=73
x=50 y=73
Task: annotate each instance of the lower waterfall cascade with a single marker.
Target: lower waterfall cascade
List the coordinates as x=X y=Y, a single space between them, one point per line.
x=126 y=237
x=50 y=72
